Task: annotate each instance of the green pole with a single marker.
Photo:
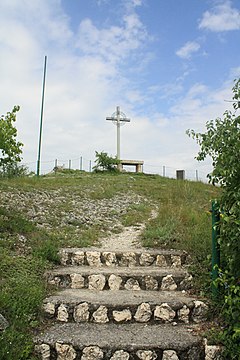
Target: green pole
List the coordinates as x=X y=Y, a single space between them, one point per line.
x=215 y=246
x=41 y=118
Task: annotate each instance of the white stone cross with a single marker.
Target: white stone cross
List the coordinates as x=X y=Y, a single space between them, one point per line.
x=118 y=118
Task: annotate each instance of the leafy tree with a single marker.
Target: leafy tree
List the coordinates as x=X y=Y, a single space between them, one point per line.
x=104 y=162
x=10 y=148
x=222 y=142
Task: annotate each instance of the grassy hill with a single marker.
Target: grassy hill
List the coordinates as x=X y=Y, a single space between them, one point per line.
x=73 y=208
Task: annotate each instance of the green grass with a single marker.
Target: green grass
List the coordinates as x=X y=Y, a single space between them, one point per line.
x=28 y=247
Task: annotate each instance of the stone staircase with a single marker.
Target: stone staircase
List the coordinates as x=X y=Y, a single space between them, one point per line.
x=122 y=305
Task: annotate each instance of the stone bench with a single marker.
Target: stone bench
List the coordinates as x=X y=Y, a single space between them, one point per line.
x=137 y=163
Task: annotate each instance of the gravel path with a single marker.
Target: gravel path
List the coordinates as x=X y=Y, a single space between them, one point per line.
x=128 y=239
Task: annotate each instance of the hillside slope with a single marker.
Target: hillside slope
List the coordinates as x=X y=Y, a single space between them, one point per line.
x=38 y=216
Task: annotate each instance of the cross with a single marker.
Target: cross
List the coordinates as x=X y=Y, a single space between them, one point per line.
x=118 y=118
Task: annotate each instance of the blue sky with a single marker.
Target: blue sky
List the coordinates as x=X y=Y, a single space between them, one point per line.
x=169 y=65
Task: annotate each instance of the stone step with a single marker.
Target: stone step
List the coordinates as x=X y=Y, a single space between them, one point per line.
x=97 y=257
x=82 y=305
x=107 y=278
x=89 y=341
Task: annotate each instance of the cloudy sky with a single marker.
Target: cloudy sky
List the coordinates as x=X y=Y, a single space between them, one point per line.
x=168 y=64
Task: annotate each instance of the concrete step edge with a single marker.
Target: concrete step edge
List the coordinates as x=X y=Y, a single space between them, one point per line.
x=96 y=257
x=77 y=305
x=105 y=278
x=111 y=341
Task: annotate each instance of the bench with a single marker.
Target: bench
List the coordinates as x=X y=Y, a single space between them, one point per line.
x=137 y=163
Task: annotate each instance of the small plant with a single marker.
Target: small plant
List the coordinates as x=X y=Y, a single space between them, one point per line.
x=104 y=162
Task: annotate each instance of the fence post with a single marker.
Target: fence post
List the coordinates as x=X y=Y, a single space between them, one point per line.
x=81 y=163
x=215 y=246
x=164 y=171
x=90 y=166
x=69 y=165
x=196 y=175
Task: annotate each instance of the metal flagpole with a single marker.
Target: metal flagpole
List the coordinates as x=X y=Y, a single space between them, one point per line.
x=41 y=118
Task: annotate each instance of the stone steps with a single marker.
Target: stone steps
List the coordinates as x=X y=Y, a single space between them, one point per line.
x=118 y=278
x=81 y=305
x=112 y=341
x=121 y=305
x=96 y=258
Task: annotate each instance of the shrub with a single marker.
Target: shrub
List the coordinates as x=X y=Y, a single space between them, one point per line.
x=104 y=162
x=222 y=142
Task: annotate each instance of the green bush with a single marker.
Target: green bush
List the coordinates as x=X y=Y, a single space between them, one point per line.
x=104 y=162
x=222 y=142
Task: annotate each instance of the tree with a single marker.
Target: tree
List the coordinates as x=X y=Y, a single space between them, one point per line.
x=222 y=142
x=10 y=148
x=104 y=162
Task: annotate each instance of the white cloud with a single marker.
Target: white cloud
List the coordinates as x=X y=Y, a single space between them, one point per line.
x=85 y=81
x=114 y=43
x=82 y=87
x=223 y=17
x=137 y=2
x=186 y=51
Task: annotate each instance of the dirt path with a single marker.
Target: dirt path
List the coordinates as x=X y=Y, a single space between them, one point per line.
x=128 y=239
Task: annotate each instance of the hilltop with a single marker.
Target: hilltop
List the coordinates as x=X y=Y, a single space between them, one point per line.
x=73 y=208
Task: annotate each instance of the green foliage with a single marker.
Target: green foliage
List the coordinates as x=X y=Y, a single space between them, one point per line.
x=13 y=170
x=21 y=294
x=222 y=142
x=104 y=162
x=10 y=148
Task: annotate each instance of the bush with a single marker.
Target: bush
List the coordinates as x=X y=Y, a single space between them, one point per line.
x=222 y=142
x=104 y=162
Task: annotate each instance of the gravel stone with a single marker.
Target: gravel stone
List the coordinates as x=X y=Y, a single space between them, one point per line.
x=146 y=355
x=161 y=261
x=96 y=282
x=176 y=261
x=168 y=283
x=213 y=352
x=120 y=355
x=78 y=258
x=114 y=282
x=132 y=284
x=49 y=309
x=109 y=258
x=65 y=352
x=62 y=313
x=122 y=316
x=93 y=258
x=77 y=281
x=151 y=283
x=183 y=314
x=92 y=353
x=146 y=259
x=44 y=350
x=164 y=313
x=170 y=355
x=101 y=315
x=128 y=259
x=143 y=313
x=186 y=283
x=81 y=312
x=200 y=311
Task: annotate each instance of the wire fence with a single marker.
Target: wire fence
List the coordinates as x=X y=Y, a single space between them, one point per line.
x=84 y=164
